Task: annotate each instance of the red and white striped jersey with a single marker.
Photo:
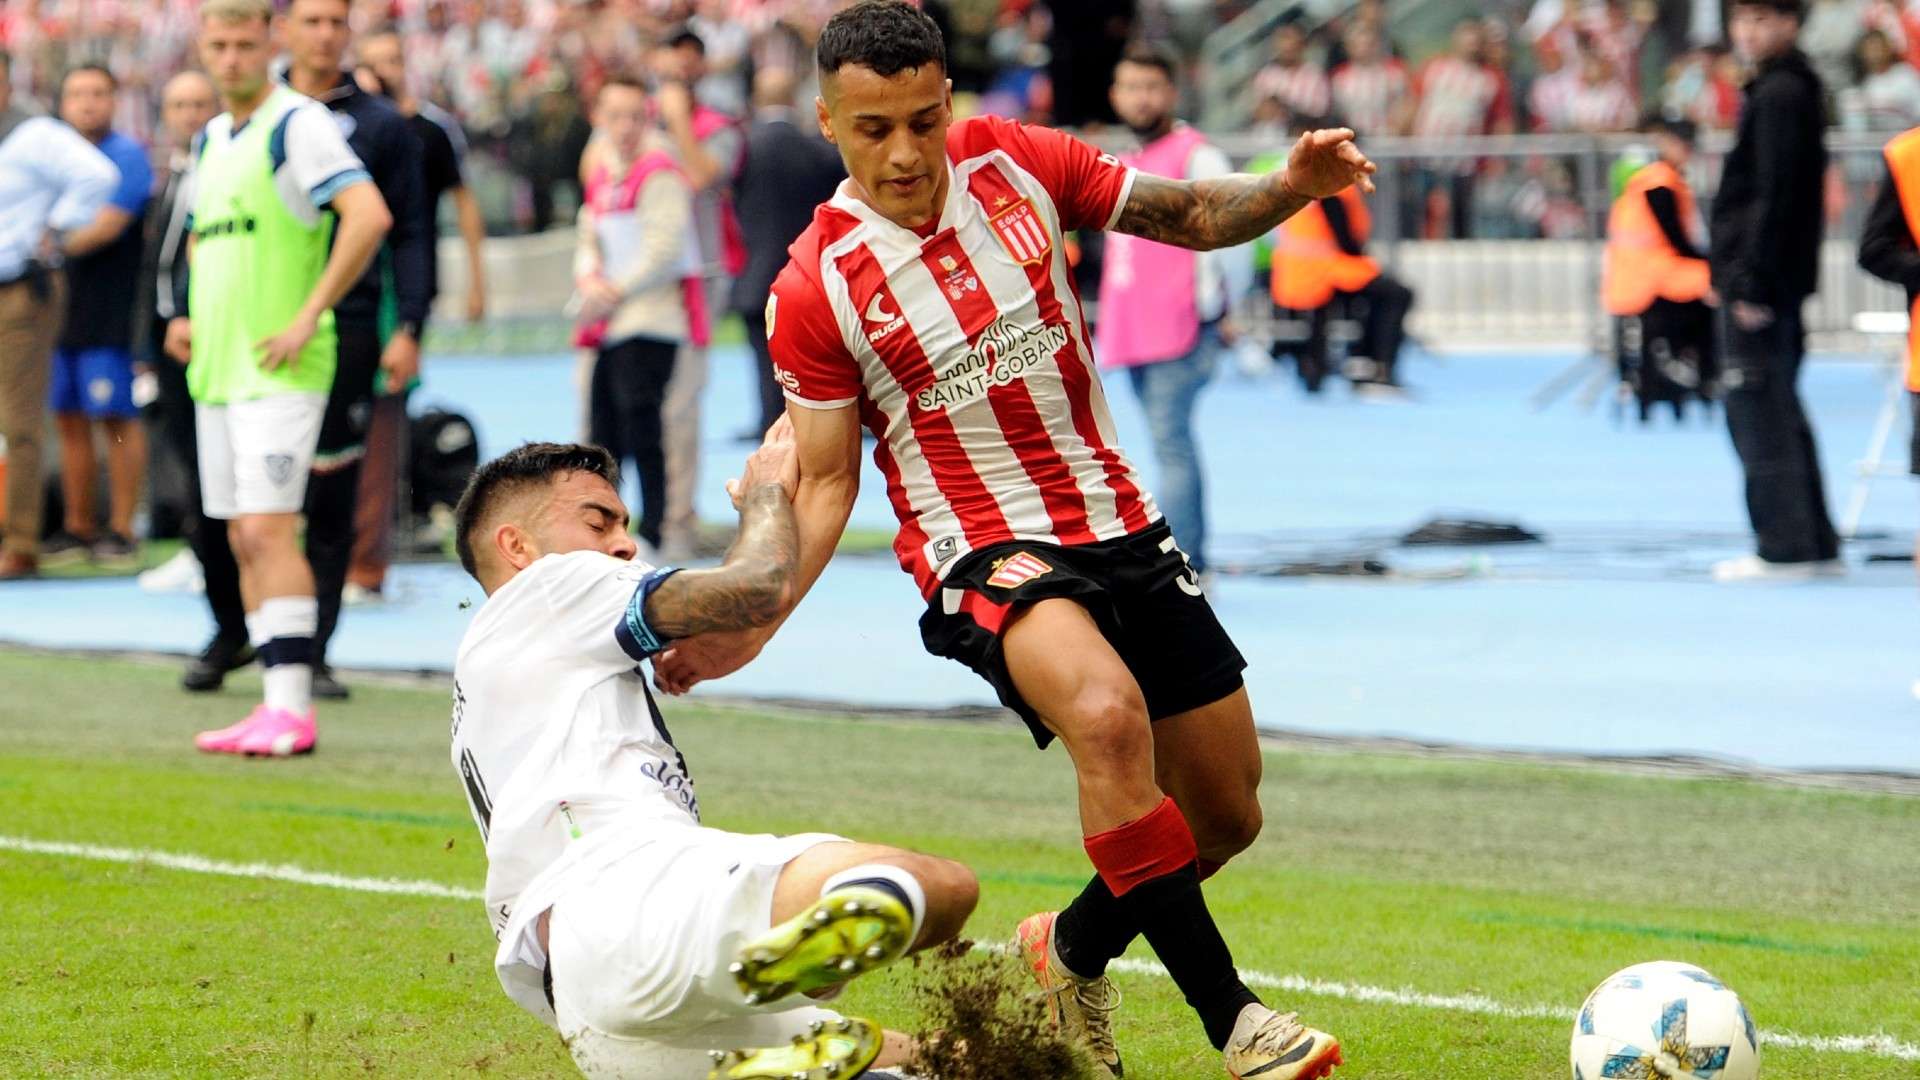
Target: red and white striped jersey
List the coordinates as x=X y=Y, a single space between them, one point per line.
x=966 y=349
x=1366 y=96
x=1302 y=88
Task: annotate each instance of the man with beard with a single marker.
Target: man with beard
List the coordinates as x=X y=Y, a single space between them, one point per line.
x=1163 y=308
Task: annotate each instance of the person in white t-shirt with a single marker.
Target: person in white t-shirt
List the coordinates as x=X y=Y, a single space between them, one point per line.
x=656 y=946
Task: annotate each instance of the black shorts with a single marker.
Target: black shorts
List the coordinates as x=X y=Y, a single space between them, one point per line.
x=1140 y=592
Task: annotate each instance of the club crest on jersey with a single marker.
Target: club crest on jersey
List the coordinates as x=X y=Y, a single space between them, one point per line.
x=1016 y=570
x=1022 y=232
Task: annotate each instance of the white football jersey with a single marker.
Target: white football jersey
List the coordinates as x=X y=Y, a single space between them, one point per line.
x=557 y=740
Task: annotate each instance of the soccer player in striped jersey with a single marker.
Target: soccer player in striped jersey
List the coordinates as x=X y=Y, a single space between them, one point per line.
x=931 y=301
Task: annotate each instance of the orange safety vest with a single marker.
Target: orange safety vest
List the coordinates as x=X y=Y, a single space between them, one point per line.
x=1308 y=265
x=1642 y=265
x=1903 y=159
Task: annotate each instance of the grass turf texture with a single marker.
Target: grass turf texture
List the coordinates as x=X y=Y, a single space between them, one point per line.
x=1524 y=883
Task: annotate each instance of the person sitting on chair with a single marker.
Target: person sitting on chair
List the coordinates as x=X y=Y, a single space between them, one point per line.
x=1657 y=282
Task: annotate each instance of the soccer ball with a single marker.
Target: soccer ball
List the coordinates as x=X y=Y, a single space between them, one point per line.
x=1665 y=1021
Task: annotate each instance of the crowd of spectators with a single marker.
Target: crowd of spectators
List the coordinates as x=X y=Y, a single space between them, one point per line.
x=517 y=74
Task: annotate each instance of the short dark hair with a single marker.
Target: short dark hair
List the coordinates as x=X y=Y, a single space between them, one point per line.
x=98 y=69
x=523 y=467
x=687 y=35
x=1795 y=8
x=885 y=36
x=1144 y=54
x=1658 y=123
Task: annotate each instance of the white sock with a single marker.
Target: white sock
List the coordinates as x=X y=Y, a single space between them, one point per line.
x=255 y=636
x=908 y=885
x=287 y=625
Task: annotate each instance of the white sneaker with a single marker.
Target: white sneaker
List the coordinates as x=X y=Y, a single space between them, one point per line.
x=355 y=595
x=1755 y=568
x=1277 y=1046
x=179 y=574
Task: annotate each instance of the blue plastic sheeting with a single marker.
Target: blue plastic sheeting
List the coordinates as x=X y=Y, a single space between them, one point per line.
x=1608 y=639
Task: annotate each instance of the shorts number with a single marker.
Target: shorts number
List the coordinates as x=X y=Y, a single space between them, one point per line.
x=1188 y=581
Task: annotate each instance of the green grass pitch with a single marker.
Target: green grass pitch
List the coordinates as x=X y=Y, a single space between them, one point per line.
x=1512 y=885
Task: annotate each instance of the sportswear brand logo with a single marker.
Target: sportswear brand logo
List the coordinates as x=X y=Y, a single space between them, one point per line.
x=945 y=548
x=877 y=313
x=279 y=469
x=1017 y=569
x=1005 y=352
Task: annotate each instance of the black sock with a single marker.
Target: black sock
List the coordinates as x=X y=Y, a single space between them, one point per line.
x=1093 y=930
x=1172 y=912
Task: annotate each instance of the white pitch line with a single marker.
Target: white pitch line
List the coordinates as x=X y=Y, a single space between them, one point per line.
x=1875 y=1045
x=195 y=864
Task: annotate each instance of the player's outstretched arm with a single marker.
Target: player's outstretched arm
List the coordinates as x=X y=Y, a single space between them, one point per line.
x=827 y=456
x=1230 y=210
x=756 y=584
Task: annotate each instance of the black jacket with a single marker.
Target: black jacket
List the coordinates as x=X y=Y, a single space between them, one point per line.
x=786 y=174
x=387 y=146
x=1767 y=218
x=1887 y=247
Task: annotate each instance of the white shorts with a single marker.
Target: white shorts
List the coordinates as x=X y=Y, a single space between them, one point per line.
x=639 y=948
x=255 y=455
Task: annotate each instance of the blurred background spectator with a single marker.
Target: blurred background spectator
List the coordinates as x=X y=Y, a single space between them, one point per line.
x=513 y=74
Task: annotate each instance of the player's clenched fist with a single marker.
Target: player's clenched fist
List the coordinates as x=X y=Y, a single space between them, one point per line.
x=775 y=462
x=1324 y=163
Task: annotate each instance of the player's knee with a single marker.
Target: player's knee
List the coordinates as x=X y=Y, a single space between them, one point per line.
x=1109 y=731
x=1222 y=836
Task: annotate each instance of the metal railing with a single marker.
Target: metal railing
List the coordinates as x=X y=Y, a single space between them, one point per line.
x=1503 y=237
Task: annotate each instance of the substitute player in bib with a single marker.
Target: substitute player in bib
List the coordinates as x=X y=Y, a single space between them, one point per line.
x=271 y=176
x=652 y=943
x=931 y=300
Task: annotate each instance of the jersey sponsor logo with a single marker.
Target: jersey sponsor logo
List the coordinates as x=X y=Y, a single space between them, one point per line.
x=1017 y=569
x=889 y=321
x=1021 y=232
x=788 y=380
x=279 y=469
x=1006 y=352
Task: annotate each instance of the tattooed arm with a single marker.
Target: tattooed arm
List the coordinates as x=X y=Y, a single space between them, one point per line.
x=756 y=585
x=1209 y=214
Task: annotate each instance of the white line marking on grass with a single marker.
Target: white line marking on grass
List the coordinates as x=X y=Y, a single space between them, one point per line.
x=1875 y=1045
x=195 y=864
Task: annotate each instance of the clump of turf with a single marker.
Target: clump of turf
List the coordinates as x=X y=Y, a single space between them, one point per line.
x=985 y=1022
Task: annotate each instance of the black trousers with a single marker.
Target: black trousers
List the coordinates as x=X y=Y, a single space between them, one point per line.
x=177 y=442
x=623 y=415
x=1676 y=357
x=1384 y=325
x=772 y=401
x=1786 y=499
x=334 y=486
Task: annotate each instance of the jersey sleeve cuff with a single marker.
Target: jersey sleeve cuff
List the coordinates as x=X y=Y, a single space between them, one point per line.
x=1120 y=201
x=810 y=403
x=637 y=639
x=325 y=190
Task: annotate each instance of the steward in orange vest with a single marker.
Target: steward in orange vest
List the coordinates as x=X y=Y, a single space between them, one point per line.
x=1319 y=255
x=1888 y=251
x=1657 y=281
